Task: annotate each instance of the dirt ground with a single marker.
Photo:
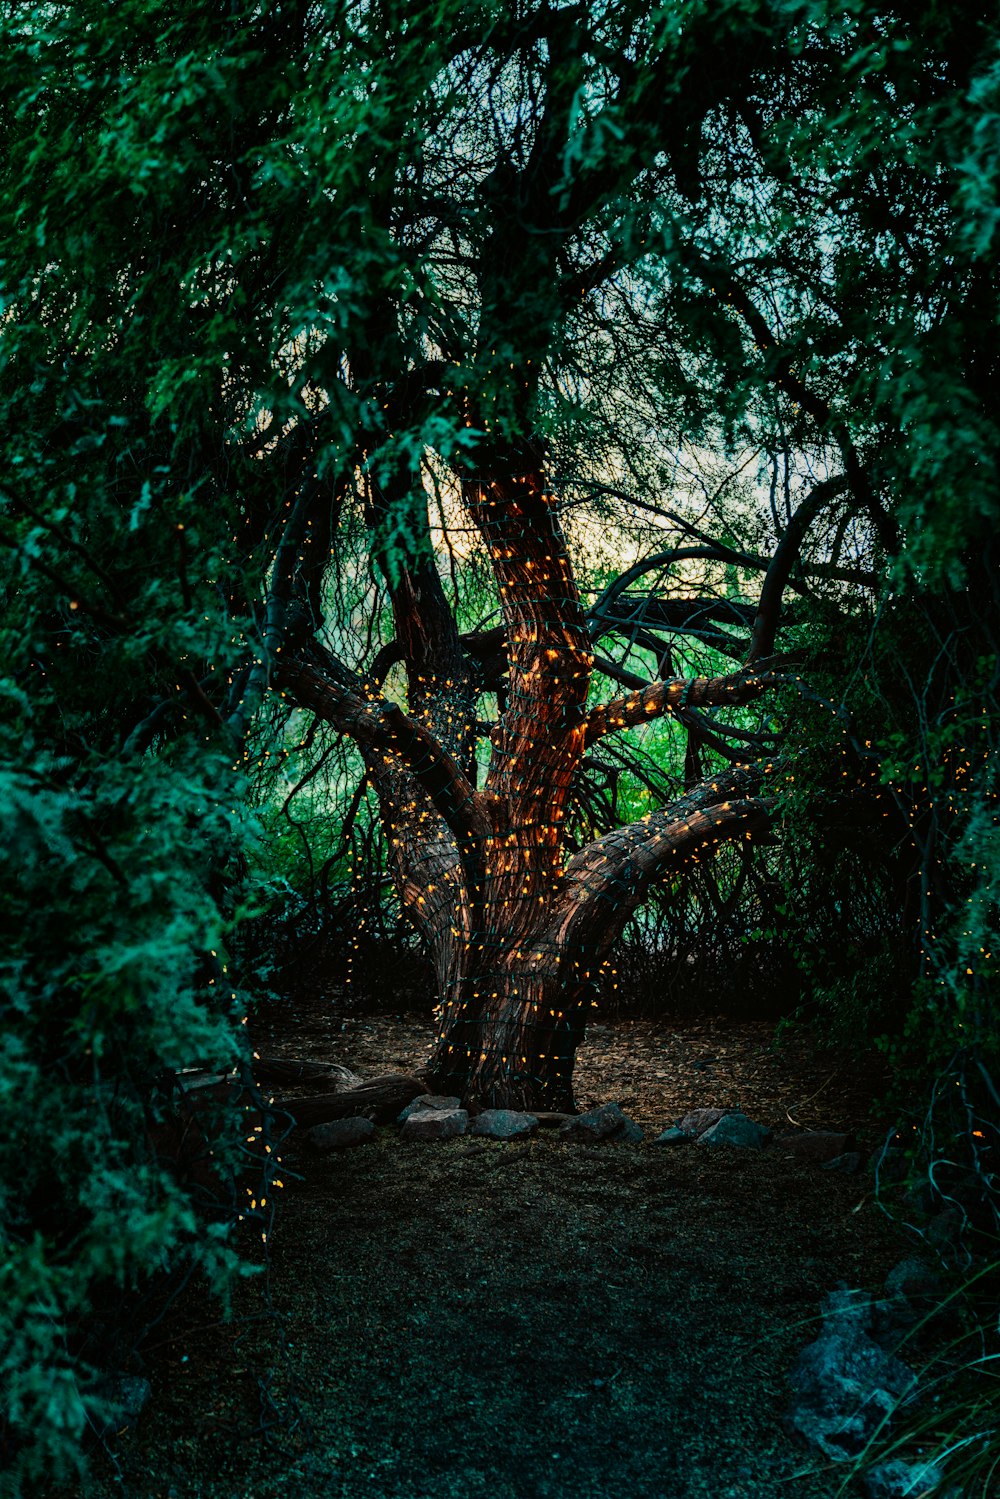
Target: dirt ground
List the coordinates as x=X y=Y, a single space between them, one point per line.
x=528 y=1320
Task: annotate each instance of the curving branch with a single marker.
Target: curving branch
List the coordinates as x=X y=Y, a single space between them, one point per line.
x=605 y=882
x=765 y=625
x=380 y=726
x=713 y=550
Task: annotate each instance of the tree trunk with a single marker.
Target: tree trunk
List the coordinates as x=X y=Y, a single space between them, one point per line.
x=510 y=1025
x=516 y=929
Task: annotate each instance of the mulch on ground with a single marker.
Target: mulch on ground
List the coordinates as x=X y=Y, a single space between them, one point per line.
x=533 y=1320
x=657 y=1071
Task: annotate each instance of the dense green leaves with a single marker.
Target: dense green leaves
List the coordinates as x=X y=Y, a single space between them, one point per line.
x=273 y=277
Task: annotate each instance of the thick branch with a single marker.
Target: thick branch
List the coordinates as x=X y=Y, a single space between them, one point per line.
x=427 y=870
x=440 y=690
x=548 y=646
x=607 y=880
x=379 y=725
x=674 y=696
x=765 y=626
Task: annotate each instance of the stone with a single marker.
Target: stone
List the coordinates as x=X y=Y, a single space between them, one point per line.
x=846 y=1387
x=127 y=1396
x=673 y=1135
x=900 y=1480
x=912 y=1279
x=912 y=1301
x=889 y=1164
x=736 y=1129
x=630 y=1132
x=340 y=1134
x=134 y=1394
x=503 y=1124
x=848 y=1164
x=699 y=1120
x=944 y=1232
x=605 y=1122
x=429 y=1102
x=921 y=1200
x=435 y=1124
x=816 y=1145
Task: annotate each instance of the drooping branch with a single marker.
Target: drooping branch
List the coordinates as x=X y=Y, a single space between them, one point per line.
x=378 y=725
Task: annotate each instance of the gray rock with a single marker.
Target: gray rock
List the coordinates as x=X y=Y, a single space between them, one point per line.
x=816 y=1145
x=699 y=1120
x=133 y=1393
x=889 y=1165
x=340 y=1134
x=848 y=1164
x=605 y=1122
x=429 y=1102
x=944 y=1231
x=435 y=1124
x=912 y=1302
x=630 y=1132
x=127 y=1396
x=673 y=1135
x=846 y=1387
x=921 y=1200
x=912 y=1279
x=503 y=1124
x=736 y=1129
x=899 y=1480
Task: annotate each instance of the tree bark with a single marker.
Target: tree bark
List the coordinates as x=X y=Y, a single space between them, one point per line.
x=516 y=929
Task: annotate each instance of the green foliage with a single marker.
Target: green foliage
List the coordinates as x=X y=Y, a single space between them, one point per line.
x=111 y=982
x=124 y=813
x=267 y=269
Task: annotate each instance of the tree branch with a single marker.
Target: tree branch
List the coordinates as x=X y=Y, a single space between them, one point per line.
x=780 y=371
x=675 y=695
x=548 y=646
x=381 y=726
x=609 y=878
x=765 y=626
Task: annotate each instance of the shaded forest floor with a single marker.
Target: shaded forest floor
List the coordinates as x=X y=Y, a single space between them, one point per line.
x=529 y=1320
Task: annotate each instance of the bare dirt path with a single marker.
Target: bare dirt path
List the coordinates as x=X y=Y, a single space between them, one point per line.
x=477 y=1320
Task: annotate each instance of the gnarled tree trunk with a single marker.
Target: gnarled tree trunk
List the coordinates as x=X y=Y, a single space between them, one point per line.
x=517 y=930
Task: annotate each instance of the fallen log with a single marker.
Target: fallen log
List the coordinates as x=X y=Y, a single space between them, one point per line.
x=378 y=1098
x=289 y=1070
